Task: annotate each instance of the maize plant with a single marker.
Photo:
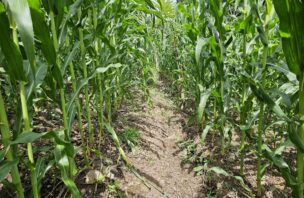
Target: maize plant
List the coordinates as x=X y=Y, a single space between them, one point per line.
x=235 y=67
x=292 y=43
x=75 y=56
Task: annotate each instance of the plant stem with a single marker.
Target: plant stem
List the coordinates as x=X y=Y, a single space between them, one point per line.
x=26 y=123
x=243 y=113
x=260 y=142
x=29 y=145
x=86 y=88
x=64 y=114
x=261 y=121
x=99 y=82
x=243 y=134
x=79 y=112
x=62 y=95
x=300 y=154
x=6 y=136
x=222 y=127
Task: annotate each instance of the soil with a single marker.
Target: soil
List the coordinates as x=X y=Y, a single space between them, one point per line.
x=158 y=159
x=165 y=165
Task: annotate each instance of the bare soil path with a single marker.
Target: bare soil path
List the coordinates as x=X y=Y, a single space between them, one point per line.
x=158 y=159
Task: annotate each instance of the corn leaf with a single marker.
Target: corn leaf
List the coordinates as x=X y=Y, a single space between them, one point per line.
x=10 y=51
x=21 y=14
x=291 y=14
x=5 y=168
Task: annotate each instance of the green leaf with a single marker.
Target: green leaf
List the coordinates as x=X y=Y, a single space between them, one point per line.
x=42 y=168
x=262 y=35
x=6 y=167
x=71 y=117
x=198 y=168
x=150 y=3
x=285 y=34
x=10 y=51
x=204 y=95
x=117 y=143
x=76 y=93
x=63 y=162
x=70 y=57
x=3 y=153
x=39 y=77
x=281 y=165
x=85 y=82
x=295 y=138
x=57 y=75
x=42 y=32
x=240 y=179
x=198 y=48
x=291 y=76
x=21 y=14
x=104 y=69
x=219 y=171
x=113 y=135
x=72 y=11
x=290 y=14
x=40 y=74
x=148 y=11
x=260 y=93
x=27 y=137
x=204 y=134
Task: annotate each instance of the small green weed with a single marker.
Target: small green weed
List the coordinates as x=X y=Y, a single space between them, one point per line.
x=130 y=137
x=114 y=191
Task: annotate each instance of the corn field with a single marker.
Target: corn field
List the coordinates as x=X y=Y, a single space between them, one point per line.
x=69 y=68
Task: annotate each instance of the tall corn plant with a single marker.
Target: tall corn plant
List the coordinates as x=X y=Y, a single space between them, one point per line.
x=212 y=44
x=49 y=49
x=263 y=30
x=245 y=28
x=290 y=14
x=25 y=28
x=12 y=161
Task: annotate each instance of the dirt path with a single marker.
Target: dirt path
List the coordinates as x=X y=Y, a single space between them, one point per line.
x=158 y=159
